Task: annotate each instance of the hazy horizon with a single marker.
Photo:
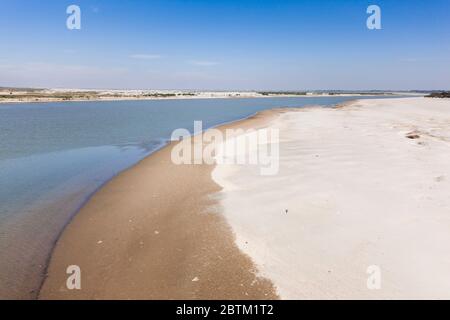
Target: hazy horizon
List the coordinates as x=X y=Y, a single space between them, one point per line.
x=224 y=89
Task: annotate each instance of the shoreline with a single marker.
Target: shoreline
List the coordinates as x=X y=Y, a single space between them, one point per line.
x=31 y=291
x=23 y=274
x=35 y=293
x=125 y=98
x=212 y=201
x=256 y=287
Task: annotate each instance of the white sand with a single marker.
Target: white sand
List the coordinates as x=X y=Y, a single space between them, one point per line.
x=358 y=193
x=11 y=95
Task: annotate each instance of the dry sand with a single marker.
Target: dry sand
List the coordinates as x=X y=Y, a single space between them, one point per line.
x=366 y=184
x=155 y=232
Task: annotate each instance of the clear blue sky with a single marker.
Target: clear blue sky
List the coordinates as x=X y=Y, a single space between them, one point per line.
x=279 y=45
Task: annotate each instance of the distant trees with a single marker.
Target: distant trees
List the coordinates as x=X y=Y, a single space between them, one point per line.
x=159 y=95
x=440 y=94
x=274 y=93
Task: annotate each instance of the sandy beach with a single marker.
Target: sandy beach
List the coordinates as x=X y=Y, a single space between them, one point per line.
x=364 y=185
x=360 y=185
x=264 y=151
x=156 y=232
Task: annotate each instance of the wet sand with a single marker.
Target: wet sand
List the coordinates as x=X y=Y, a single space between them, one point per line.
x=26 y=248
x=156 y=232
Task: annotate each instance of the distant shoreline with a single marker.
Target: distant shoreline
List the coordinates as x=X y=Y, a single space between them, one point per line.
x=12 y=96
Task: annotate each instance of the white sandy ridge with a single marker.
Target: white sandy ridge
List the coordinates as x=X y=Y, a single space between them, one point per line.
x=358 y=193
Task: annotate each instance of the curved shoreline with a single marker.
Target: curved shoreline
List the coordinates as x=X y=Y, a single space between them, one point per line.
x=190 y=241
x=87 y=198
x=31 y=291
x=256 y=288
x=31 y=287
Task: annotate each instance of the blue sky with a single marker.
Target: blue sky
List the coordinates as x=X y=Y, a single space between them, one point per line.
x=261 y=45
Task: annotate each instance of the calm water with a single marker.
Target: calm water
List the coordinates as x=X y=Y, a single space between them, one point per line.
x=54 y=155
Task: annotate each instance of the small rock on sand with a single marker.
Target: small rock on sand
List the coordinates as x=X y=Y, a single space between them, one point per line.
x=413 y=135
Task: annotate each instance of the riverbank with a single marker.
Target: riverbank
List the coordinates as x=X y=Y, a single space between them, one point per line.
x=360 y=187
x=78 y=147
x=156 y=232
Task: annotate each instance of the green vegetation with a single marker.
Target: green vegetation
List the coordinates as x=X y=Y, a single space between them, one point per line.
x=159 y=95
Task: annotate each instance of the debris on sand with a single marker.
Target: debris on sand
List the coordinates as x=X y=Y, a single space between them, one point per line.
x=413 y=135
